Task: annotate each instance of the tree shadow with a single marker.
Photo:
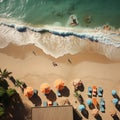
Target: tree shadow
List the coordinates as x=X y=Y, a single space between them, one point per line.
x=65 y=92
x=12 y=79
x=85 y=113
x=76 y=115
x=80 y=99
x=98 y=117
x=17 y=110
x=36 y=100
x=51 y=96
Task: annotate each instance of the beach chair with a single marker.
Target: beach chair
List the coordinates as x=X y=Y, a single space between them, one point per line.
x=35 y=92
x=102 y=105
x=94 y=91
x=102 y=102
x=50 y=103
x=58 y=93
x=89 y=92
x=55 y=103
x=115 y=101
x=100 y=92
x=45 y=104
x=102 y=108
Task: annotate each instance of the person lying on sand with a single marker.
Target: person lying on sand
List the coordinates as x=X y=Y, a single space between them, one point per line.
x=69 y=61
x=54 y=64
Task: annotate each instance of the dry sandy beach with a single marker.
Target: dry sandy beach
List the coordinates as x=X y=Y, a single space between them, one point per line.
x=31 y=65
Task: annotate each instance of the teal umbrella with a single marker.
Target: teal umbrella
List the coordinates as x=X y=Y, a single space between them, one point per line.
x=114 y=92
x=89 y=101
x=81 y=107
x=115 y=101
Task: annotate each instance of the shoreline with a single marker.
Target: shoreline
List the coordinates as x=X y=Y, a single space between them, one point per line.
x=58 y=41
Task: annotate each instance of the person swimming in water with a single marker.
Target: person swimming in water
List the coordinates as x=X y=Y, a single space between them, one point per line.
x=74 y=21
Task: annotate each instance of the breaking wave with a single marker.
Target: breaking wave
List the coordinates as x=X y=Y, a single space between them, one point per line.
x=58 y=41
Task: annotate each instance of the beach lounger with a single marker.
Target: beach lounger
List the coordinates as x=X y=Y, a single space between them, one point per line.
x=115 y=101
x=102 y=108
x=100 y=92
x=58 y=93
x=35 y=92
x=45 y=104
x=102 y=102
x=102 y=105
x=55 y=103
x=89 y=92
x=94 y=91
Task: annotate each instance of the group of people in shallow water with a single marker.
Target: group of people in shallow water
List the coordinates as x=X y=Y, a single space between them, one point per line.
x=74 y=21
x=87 y=20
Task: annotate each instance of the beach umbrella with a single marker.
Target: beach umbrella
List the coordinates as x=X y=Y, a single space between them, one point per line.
x=45 y=88
x=77 y=83
x=95 y=112
x=81 y=107
x=115 y=101
x=94 y=88
x=28 y=91
x=114 y=92
x=89 y=101
x=94 y=100
x=59 y=84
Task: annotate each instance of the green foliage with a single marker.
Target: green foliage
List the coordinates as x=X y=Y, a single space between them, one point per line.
x=76 y=94
x=4 y=73
x=4 y=84
x=2 y=91
x=11 y=92
x=2 y=111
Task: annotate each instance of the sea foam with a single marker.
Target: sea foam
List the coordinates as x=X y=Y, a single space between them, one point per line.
x=58 y=41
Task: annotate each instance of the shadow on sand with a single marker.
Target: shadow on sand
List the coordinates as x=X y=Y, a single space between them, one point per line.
x=115 y=117
x=98 y=117
x=17 y=110
x=51 y=96
x=36 y=100
x=76 y=115
x=65 y=92
x=85 y=113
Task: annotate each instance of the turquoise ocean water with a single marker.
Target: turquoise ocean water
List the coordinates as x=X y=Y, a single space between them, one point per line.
x=39 y=12
x=44 y=23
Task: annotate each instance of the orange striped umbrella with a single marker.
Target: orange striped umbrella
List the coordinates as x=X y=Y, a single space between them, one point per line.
x=28 y=91
x=45 y=88
x=59 y=84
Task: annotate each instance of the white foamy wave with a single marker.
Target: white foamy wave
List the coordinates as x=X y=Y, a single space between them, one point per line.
x=58 y=41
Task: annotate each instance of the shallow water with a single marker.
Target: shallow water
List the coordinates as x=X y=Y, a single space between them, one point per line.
x=39 y=12
x=46 y=24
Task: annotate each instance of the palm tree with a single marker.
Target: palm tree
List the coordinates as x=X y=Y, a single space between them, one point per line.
x=11 y=92
x=4 y=74
x=2 y=92
x=2 y=111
